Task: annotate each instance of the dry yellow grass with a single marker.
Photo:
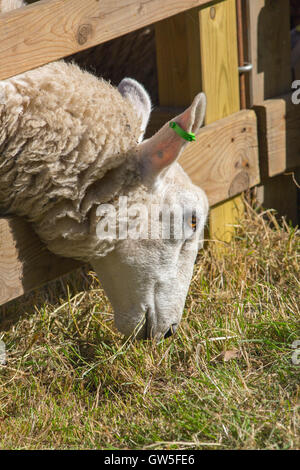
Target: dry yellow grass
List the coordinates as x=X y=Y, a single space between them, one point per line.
x=71 y=381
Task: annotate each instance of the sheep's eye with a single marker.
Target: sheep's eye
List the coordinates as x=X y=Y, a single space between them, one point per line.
x=192 y=222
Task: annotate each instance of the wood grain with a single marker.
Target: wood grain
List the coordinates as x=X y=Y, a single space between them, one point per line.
x=219 y=57
x=173 y=62
x=52 y=29
x=270 y=53
x=197 y=51
x=220 y=81
x=224 y=159
x=279 y=131
x=269 y=49
x=25 y=263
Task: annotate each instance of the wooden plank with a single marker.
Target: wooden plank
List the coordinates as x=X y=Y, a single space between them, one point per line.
x=279 y=137
x=198 y=51
x=52 y=29
x=25 y=263
x=224 y=159
x=269 y=49
x=270 y=53
x=280 y=193
x=173 y=62
x=219 y=68
x=219 y=56
x=184 y=44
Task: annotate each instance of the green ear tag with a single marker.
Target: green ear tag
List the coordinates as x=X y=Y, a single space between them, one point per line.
x=189 y=136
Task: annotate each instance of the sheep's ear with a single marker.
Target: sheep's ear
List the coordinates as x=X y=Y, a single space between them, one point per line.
x=160 y=151
x=139 y=98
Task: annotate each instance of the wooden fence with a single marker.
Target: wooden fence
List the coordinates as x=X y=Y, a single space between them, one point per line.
x=197 y=49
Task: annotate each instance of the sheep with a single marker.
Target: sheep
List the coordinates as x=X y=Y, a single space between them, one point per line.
x=71 y=144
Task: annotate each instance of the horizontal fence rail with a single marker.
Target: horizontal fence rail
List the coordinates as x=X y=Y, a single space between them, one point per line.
x=224 y=159
x=279 y=134
x=52 y=29
x=25 y=262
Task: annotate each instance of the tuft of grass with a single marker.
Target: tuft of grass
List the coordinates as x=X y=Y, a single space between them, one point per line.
x=226 y=380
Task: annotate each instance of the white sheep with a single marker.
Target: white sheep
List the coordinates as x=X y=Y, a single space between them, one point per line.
x=71 y=144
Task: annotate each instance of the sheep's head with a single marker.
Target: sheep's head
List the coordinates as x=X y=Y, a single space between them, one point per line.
x=147 y=275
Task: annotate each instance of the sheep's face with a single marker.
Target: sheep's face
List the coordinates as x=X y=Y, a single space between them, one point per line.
x=147 y=275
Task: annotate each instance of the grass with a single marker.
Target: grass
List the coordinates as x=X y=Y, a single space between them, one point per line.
x=225 y=381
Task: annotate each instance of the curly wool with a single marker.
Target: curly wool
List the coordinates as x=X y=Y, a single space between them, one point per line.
x=61 y=131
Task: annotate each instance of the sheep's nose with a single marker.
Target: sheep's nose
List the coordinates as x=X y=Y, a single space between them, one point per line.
x=171 y=330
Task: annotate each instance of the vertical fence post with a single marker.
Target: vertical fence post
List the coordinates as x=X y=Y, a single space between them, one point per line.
x=269 y=51
x=219 y=68
x=197 y=50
